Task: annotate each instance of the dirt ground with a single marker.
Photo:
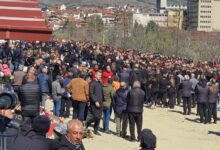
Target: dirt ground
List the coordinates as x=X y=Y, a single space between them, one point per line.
x=174 y=131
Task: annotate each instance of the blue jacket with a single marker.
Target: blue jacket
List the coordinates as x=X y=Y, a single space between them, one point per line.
x=120 y=101
x=186 y=88
x=65 y=82
x=44 y=83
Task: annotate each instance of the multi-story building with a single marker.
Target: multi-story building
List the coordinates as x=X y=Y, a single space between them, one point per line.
x=175 y=18
x=161 y=4
x=203 y=15
x=144 y=18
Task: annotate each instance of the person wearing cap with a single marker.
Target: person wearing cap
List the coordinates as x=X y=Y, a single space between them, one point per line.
x=148 y=140
x=56 y=95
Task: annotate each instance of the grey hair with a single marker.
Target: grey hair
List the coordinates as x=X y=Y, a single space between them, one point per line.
x=136 y=84
x=73 y=122
x=21 y=67
x=123 y=84
x=186 y=77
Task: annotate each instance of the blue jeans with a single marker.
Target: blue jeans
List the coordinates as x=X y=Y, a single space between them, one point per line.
x=106 y=118
x=57 y=106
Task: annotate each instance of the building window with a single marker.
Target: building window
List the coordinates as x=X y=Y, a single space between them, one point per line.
x=205 y=1
x=205 y=27
x=202 y=11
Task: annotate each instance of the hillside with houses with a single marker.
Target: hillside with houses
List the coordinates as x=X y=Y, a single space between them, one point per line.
x=101 y=3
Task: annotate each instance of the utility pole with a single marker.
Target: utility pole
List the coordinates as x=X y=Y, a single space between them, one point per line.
x=125 y=27
x=178 y=30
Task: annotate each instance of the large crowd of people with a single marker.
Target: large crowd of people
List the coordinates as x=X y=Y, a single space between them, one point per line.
x=98 y=81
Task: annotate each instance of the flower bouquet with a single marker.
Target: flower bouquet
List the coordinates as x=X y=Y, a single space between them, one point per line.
x=57 y=126
x=5 y=78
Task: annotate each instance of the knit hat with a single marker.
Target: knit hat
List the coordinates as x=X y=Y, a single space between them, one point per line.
x=148 y=139
x=41 y=124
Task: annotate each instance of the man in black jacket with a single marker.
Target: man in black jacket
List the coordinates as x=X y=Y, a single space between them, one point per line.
x=124 y=75
x=30 y=97
x=120 y=107
x=135 y=109
x=72 y=140
x=135 y=75
x=96 y=98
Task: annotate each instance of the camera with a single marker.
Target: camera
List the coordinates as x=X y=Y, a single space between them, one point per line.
x=8 y=100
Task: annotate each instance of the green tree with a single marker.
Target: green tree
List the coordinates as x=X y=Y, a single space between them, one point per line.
x=152 y=27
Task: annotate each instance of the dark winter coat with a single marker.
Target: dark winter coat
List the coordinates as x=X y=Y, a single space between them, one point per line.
x=64 y=144
x=186 y=88
x=163 y=84
x=96 y=95
x=120 y=101
x=154 y=85
x=39 y=142
x=148 y=140
x=18 y=141
x=44 y=82
x=135 y=75
x=26 y=139
x=213 y=95
x=96 y=92
x=124 y=77
x=202 y=93
x=30 y=97
x=135 y=100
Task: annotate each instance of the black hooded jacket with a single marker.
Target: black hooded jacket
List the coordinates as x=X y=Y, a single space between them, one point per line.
x=148 y=140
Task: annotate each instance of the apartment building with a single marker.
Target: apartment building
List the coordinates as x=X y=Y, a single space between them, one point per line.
x=144 y=18
x=203 y=15
x=161 y=4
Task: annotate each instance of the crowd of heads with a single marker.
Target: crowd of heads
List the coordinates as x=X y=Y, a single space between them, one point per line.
x=89 y=60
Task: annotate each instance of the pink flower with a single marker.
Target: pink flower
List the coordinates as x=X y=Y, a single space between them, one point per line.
x=7 y=73
x=5 y=66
